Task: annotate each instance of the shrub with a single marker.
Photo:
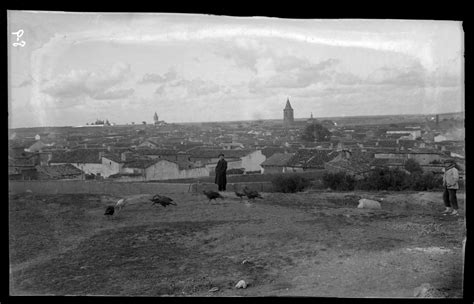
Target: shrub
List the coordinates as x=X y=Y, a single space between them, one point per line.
x=235 y=171
x=413 y=166
x=290 y=183
x=89 y=176
x=384 y=179
x=425 y=181
x=396 y=180
x=338 y=181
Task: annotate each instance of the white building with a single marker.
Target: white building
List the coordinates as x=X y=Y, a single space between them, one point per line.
x=414 y=133
x=439 y=138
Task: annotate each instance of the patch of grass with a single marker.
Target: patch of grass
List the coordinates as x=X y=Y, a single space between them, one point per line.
x=139 y=260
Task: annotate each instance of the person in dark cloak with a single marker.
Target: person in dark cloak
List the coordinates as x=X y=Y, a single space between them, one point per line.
x=221 y=171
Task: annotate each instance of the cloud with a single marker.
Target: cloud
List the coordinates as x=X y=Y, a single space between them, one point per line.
x=414 y=75
x=83 y=83
x=408 y=76
x=243 y=52
x=25 y=83
x=193 y=88
x=114 y=94
x=160 y=89
x=199 y=87
x=155 y=78
x=293 y=72
x=347 y=78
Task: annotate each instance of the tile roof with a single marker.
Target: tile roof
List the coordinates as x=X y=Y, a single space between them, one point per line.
x=423 y=151
x=387 y=143
x=183 y=164
x=77 y=156
x=278 y=159
x=386 y=162
x=349 y=165
x=382 y=150
x=407 y=143
x=118 y=175
x=58 y=171
x=25 y=159
x=114 y=157
x=157 y=151
x=361 y=157
x=213 y=153
x=153 y=142
x=269 y=151
x=311 y=158
x=140 y=163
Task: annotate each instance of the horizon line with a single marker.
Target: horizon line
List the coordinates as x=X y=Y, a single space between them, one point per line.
x=247 y=120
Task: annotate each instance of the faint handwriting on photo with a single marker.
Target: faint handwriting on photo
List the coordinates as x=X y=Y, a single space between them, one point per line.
x=18 y=36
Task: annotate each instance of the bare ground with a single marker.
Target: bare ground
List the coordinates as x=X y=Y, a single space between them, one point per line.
x=305 y=244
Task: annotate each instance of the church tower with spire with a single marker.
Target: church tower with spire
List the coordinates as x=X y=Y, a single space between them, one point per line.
x=155 y=118
x=288 y=118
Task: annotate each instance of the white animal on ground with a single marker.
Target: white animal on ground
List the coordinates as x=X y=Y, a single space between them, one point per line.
x=120 y=204
x=368 y=204
x=241 y=284
x=132 y=200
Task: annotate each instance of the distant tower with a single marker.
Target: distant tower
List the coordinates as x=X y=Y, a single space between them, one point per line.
x=288 y=118
x=155 y=118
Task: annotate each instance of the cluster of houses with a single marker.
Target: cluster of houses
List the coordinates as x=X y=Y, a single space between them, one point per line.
x=132 y=164
x=170 y=151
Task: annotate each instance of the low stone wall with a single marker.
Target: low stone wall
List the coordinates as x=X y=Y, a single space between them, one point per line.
x=124 y=188
x=96 y=187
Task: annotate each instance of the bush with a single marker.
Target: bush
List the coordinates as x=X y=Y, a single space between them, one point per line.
x=89 y=176
x=338 y=181
x=290 y=183
x=235 y=171
x=425 y=181
x=384 y=179
x=413 y=166
x=396 y=180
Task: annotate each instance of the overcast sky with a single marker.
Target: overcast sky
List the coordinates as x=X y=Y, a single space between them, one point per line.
x=76 y=67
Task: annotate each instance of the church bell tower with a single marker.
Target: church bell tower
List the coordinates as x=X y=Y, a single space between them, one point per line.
x=288 y=118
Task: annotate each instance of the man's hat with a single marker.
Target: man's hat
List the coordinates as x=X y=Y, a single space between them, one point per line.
x=220 y=155
x=450 y=162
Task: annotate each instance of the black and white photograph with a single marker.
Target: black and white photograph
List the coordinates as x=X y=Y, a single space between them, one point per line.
x=199 y=155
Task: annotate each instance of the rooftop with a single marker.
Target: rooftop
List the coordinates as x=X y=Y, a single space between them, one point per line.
x=157 y=151
x=58 y=171
x=349 y=165
x=199 y=152
x=311 y=158
x=278 y=159
x=140 y=163
x=77 y=156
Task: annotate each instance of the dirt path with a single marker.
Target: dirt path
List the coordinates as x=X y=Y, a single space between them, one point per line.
x=305 y=244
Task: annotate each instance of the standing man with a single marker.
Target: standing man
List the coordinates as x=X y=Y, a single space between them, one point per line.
x=450 y=185
x=221 y=171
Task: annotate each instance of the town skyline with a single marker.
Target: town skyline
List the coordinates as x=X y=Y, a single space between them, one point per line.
x=150 y=123
x=196 y=68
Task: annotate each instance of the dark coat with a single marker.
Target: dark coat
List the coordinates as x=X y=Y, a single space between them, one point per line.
x=221 y=170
